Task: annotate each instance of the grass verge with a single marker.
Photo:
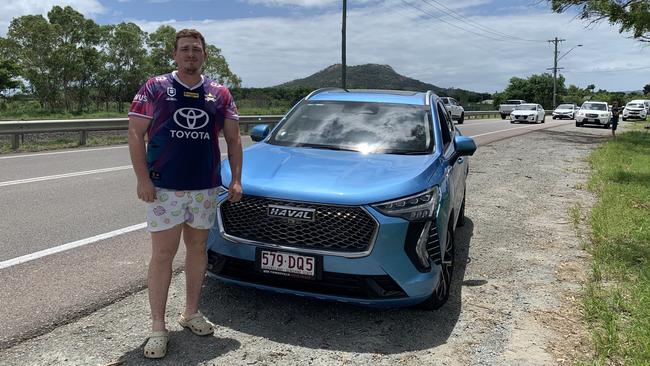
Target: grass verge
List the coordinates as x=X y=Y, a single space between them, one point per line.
x=617 y=297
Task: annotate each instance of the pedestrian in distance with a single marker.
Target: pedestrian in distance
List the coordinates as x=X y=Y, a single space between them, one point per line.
x=178 y=176
x=615 y=114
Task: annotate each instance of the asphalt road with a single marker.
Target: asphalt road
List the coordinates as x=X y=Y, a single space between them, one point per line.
x=85 y=198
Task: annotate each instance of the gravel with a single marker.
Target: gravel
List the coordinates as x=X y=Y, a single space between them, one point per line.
x=520 y=269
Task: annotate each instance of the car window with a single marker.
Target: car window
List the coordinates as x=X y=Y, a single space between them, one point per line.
x=358 y=126
x=453 y=101
x=595 y=106
x=446 y=125
x=445 y=100
x=565 y=106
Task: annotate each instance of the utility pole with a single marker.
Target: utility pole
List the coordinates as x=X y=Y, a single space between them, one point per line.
x=343 y=64
x=555 y=68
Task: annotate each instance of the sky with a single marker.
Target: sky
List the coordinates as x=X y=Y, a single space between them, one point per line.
x=471 y=44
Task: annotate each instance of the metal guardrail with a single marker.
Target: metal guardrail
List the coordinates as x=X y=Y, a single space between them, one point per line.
x=83 y=126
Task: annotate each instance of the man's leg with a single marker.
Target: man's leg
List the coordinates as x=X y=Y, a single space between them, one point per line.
x=164 y=245
x=196 y=262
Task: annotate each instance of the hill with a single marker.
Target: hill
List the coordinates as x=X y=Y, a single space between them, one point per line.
x=373 y=76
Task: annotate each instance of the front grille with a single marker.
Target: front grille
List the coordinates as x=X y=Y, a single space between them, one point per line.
x=336 y=284
x=347 y=229
x=591 y=115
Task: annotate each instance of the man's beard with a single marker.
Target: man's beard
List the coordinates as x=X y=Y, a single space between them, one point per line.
x=192 y=70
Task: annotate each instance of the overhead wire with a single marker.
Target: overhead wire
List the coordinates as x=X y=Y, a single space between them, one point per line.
x=450 y=12
x=440 y=18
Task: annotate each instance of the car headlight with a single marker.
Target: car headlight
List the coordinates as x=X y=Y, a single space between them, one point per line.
x=418 y=207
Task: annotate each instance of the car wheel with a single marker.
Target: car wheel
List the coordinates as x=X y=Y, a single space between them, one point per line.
x=606 y=126
x=512 y=121
x=503 y=116
x=461 y=119
x=554 y=117
x=624 y=119
x=578 y=124
x=441 y=289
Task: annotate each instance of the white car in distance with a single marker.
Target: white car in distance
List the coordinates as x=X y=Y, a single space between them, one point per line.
x=455 y=109
x=636 y=109
x=565 y=111
x=528 y=112
x=594 y=113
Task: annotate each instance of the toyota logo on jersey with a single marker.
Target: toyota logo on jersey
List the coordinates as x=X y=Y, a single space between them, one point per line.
x=191 y=118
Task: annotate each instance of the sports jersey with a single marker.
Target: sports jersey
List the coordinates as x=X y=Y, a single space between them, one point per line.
x=183 y=149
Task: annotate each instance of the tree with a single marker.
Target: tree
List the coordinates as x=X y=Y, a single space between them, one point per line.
x=75 y=53
x=126 y=61
x=535 y=89
x=32 y=41
x=8 y=68
x=216 y=67
x=646 y=89
x=161 y=45
x=630 y=15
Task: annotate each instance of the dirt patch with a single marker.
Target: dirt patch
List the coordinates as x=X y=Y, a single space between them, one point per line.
x=515 y=298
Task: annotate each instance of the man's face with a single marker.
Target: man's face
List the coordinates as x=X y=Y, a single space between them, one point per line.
x=189 y=55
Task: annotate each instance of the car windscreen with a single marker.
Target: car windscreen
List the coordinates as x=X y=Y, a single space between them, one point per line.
x=565 y=106
x=634 y=105
x=595 y=106
x=513 y=101
x=526 y=107
x=445 y=100
x=357 y=126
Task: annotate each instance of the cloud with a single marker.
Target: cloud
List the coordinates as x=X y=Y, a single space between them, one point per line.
x=16 y=8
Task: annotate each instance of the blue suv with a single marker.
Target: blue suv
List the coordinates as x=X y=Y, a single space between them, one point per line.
x=354 y=197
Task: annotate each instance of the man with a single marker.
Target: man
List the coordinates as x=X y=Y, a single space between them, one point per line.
x=178 y=175
x=616 y=111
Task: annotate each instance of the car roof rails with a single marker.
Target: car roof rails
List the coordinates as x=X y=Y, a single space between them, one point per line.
x=427 y=98
x=321 y=90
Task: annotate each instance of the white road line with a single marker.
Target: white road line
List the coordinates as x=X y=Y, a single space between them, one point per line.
x=74 y=244
x=68 y=175
x=59 y=176
x=61 y=152
x=509 y=129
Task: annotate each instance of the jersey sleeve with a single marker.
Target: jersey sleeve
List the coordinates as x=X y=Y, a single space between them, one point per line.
x=142 y=105
x=228 y=107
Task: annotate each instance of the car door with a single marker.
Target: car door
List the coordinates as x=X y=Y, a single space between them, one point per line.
x=455 y=171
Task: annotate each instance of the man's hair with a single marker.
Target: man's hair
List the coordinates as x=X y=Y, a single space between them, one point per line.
x=190 y=33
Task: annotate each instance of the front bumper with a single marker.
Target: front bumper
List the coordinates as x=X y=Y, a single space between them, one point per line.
x=634 y=114
x=384 y=277
x=523 y=118
x=592 y=120
x=568 y=115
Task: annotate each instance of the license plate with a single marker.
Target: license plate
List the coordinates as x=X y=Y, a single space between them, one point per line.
x=287 y=264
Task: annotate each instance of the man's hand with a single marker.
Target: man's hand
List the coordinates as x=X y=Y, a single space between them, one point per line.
x=234 y=191
x=146 y=190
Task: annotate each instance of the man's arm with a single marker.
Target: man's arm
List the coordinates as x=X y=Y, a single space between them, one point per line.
x=137 y=130
x=235 y=156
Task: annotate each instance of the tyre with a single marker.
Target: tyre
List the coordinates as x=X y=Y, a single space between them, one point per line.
x=441 y=289
x=578 y=124
x=606 y=126
x=512 y=121
x=554 y=117
x=503 y=116
x=462 y=118
x=624 y=118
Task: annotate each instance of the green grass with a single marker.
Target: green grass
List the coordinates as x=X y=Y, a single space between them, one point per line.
x=617 y=298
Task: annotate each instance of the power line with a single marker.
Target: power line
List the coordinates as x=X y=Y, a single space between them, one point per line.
x=439 y=17
x=450 y=12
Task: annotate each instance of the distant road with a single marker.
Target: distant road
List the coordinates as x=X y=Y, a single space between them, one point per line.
x=75 y=198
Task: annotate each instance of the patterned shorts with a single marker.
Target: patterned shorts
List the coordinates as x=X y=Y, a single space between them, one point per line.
x=170 y=208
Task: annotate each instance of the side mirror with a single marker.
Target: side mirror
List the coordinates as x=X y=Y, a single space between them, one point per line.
x=465 y=146
x=260 y=132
